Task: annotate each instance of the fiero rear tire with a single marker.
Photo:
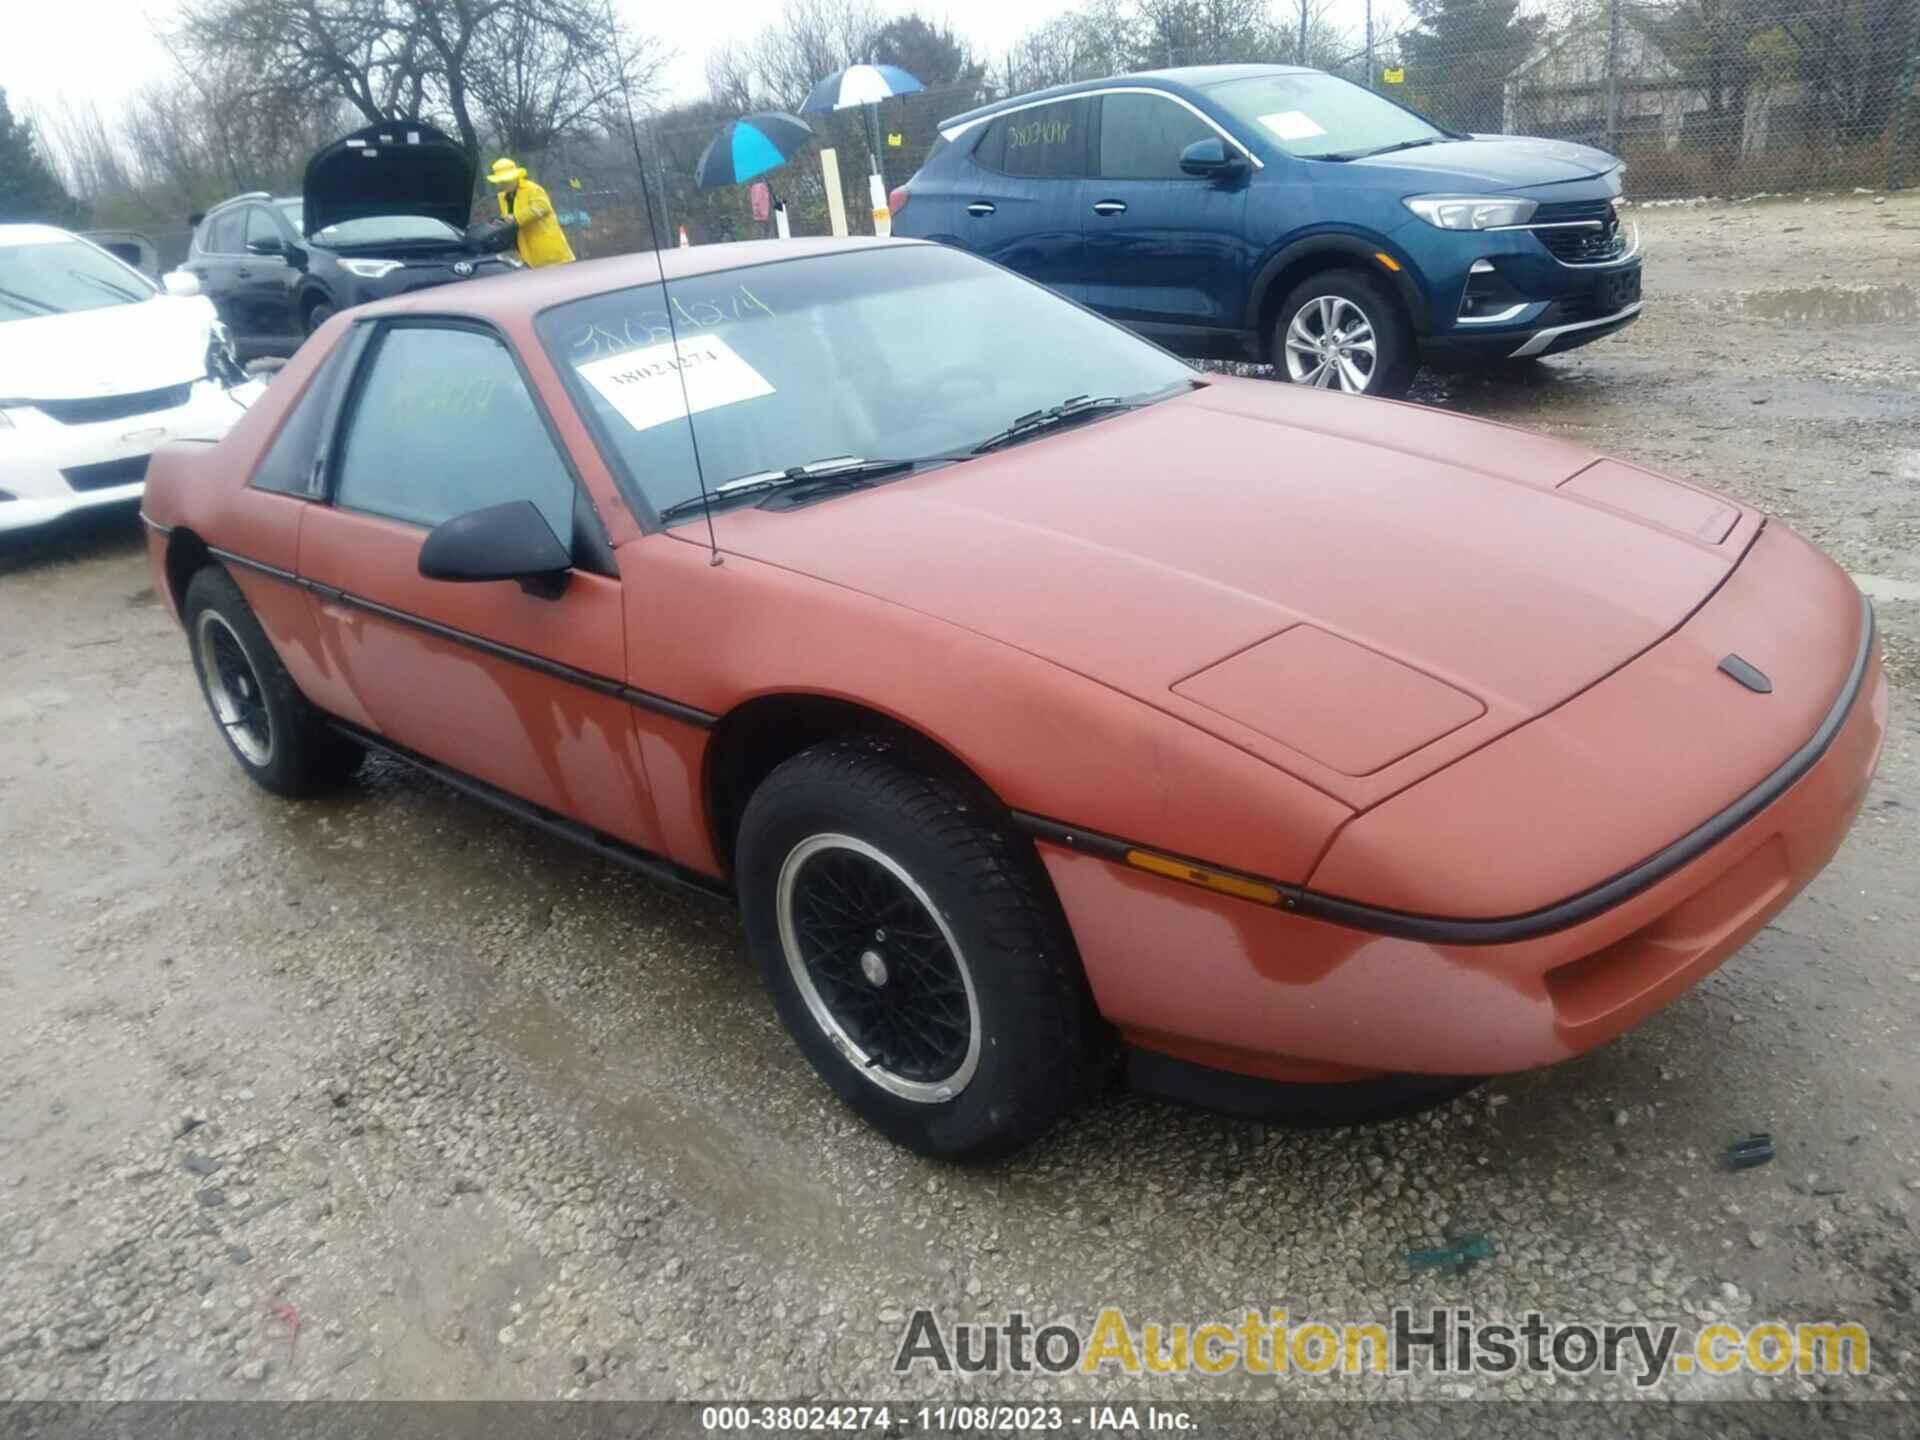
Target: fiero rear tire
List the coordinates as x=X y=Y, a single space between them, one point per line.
x=280 y=740
x=913 y=951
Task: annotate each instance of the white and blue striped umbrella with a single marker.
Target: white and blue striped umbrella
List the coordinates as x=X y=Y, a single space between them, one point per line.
x=859 y=85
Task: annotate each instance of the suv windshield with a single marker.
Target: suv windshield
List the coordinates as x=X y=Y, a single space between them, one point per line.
x=385 y=230
x=59 y=276
x=1321 y=117
x=901 y=353
x=293 y=210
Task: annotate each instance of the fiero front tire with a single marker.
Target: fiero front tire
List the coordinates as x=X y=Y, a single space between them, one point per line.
x=280 y=740
x=913 y=952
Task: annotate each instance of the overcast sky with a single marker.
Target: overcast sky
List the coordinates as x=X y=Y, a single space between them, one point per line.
x=101 y=49
x=104 y=49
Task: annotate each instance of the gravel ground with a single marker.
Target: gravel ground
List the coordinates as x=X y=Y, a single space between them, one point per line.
x=389 y=1097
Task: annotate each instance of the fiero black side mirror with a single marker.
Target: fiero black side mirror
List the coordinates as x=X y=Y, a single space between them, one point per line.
x=502 y=542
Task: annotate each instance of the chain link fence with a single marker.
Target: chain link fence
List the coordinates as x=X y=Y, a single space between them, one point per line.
x=1715 y=97
x=594 y=182
x=1701 y=97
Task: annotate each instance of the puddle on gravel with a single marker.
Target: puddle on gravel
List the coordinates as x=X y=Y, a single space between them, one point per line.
x=1835 y=304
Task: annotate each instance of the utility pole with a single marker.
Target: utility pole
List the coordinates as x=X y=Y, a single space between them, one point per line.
x=1905 y=101
x=1373 y=80
x=1300 y=56
x=1613 y=76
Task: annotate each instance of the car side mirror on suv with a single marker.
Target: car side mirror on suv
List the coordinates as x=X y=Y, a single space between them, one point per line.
x=502 y=542
x=1209 y=158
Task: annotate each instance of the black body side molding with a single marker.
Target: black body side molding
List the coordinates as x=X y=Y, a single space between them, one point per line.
x=1504 y=930
x=654 y=867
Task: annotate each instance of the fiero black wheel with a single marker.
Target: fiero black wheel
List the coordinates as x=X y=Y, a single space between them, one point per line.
x=280 y=740
x=912 y=952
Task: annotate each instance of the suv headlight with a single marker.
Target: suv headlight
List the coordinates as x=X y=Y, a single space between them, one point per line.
x=1471 y=212
x=370 y=269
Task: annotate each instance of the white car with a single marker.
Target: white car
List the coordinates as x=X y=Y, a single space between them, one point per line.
x=98 y=368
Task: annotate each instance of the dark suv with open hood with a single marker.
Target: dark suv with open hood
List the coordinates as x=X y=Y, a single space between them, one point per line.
x=382 y=211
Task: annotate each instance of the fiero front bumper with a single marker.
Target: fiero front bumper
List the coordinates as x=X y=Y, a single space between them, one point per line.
x=1301 y=983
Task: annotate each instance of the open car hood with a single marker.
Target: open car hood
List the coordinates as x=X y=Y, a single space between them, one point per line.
x=398 y=167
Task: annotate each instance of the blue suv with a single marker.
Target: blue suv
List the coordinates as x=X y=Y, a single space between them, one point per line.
x=1284 y=215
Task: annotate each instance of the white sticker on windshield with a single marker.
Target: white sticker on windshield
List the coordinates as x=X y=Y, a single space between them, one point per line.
x=1292 y=125
x=644 y=385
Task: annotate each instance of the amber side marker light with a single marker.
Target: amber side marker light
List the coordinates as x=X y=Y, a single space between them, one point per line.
x=1220 y=880
x=1387 y=260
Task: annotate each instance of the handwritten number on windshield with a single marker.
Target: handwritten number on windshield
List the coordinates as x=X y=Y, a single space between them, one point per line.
x=614 y=334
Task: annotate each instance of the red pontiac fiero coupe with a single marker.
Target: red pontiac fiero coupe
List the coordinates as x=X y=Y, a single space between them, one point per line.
x=1030 y=691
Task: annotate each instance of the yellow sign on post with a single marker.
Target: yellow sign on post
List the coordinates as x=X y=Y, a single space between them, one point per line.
x=1396 y=76
x=895 y=139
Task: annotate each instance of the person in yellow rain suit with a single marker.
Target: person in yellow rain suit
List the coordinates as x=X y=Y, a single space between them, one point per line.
x=538 y=235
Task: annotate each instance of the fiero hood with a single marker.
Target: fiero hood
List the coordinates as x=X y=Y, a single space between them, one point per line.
x=115 y=350
x=398 y=167
x=1357 y=590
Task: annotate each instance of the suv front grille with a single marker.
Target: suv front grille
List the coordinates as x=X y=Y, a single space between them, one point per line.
x=107 y=474
x=1593 y=243
x=115 y=407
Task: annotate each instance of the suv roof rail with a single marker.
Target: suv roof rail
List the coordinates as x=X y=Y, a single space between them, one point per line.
x=250 y=195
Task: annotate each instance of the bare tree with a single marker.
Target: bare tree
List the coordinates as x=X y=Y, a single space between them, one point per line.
x=1082 y=44
x=733 y=81
x=811 y=39
x=538 y=84
x=1111 y=37
x=1206 y=32
x=85 y=149
x=528 y=69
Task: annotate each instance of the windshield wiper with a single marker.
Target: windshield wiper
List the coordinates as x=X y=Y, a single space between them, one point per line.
x=1075 y=409
x=1067 y=412
x=107 y=285
x=837 y=472
x=1398 y=145
x=14 y=297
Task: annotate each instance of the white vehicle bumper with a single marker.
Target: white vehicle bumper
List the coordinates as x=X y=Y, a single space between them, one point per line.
x=49 y=470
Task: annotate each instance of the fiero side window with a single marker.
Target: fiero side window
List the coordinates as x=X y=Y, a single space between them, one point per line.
x=441 y=423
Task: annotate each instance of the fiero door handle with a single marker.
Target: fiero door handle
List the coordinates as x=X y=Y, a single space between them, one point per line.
x=1109 y=207
x=980 y=207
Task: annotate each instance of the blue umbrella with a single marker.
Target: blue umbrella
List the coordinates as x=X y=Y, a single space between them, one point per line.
x=750 y=146
x=859 y=85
